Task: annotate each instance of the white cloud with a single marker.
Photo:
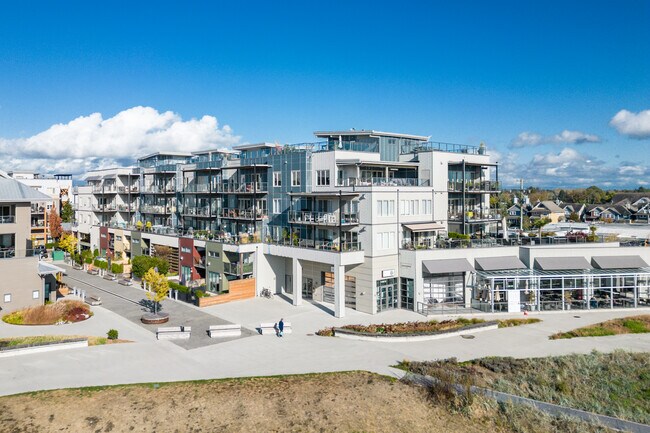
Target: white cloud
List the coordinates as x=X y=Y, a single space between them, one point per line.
x=94 y=142
x=530 y=139
x=634 y=125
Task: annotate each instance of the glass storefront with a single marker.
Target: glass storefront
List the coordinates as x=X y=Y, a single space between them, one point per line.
x=407 y=296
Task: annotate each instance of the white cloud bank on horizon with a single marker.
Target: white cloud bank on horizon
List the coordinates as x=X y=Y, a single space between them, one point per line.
x=531 y=139
x=634 y=125
x=89 y=142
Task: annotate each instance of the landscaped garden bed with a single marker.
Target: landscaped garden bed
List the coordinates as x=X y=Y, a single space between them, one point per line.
x=51 y=314
x=430 y=327
x=625 y=325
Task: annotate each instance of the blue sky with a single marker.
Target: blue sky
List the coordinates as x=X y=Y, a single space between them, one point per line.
x=556 y=72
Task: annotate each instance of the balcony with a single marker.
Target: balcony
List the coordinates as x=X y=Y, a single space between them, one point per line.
x=197 y=188
x=104 y=208
x=127 y=208
x=7 y=219
x=474 y=186
x=475 y=216
x=243 y=214
x=133 y=189
x=38 y=209
x=324 y=245
x=197 y=211
x=383 y=181
x=159 y=189
x=323 y=218
x=156 y=209
x=104 y=189
x=243 y=188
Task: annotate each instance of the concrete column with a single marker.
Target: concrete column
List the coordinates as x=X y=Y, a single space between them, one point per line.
x=339 y=291
x=296 y=280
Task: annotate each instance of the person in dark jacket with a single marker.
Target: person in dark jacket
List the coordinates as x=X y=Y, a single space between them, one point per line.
x=280 y=327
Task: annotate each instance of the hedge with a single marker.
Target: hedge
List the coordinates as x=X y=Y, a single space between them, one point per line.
x=141 y=264
x=181 y=288
x=117 y=268
x=101 y=264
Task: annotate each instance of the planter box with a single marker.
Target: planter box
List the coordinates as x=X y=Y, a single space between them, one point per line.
x=45 y=347
x=396 y=338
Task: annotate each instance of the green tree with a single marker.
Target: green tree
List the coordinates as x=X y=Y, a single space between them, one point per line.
x=538 y=224
x=574 y=217
x=158 y=286
x=67 y=212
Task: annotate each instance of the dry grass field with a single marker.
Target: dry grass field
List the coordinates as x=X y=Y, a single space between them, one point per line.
x=340 y=402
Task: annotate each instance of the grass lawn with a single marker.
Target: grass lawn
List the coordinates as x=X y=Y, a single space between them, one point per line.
x=626 y=325
x=334 y=402
x=424 y=327
x=616 y=384
x=40 y=339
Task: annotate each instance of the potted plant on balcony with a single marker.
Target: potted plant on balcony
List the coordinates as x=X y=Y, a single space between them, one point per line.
x=147 y=226
x=243 y=238
x=138 y=225
x=295 y=239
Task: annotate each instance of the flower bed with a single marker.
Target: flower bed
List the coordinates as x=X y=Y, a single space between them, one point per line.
x=51 y=314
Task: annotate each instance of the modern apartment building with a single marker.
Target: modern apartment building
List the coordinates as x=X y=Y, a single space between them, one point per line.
x=57 y=187
x=324 y=220
x=21 y=284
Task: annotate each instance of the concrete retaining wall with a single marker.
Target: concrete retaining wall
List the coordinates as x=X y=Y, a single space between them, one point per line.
x=43 y=348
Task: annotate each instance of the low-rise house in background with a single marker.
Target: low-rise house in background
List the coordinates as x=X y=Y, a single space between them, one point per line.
x=547 y=209
x=574 y=208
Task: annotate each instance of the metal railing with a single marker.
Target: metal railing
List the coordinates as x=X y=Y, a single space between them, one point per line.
x=197 y=187
x=325 y=245
x=197 y=211
x=127 y=208
x=323 y=218
x=441 y=147
x=126 y=189
x=8 y=219
x=472 y=216
x=159 y=189
x=459 y=307
x=156 y=209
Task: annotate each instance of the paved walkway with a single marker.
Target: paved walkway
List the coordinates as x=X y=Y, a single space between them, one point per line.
x=131 y=303
x=149 y=360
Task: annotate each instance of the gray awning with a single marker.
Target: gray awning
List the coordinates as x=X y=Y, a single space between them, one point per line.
x=92 y=177
x=446 y=266
x=110 y=176
x=561 y=263
x=424 y=227
x=618 y=262
x=45 y=268
x=499 y=263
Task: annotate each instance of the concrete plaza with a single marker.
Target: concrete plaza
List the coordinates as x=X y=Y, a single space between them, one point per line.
x=149 y=360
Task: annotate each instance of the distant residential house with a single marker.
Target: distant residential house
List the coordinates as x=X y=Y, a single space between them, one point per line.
x=616 y=213
x=642 y=214
x=547 y=209
x=593 y=212
x=577 y=208
x=514 y=216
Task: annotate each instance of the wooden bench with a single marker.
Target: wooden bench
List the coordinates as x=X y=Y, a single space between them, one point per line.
x=271 y=328
x=222 y=331
x=93 y=300
x=109 y=276
x=126 y=282
x=93 y=271
x=174 y=333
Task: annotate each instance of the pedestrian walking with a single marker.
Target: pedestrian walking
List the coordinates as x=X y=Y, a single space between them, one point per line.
x=280 y=327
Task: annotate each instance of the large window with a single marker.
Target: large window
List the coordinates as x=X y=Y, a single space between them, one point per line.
x=385 y=240
x=407 y=294
x=387 y=294
x=295 y=178
x=409 y=207
x=277 y=204
x=322 y=177
x=385 y=208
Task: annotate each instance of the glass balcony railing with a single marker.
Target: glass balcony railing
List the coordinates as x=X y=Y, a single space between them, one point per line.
x=477 y=216
x=326 y=245
x=157 y=209
x=159 y=189
x=243 y=188
x=200 y=187
x=382 y=181
x=474 y=186
x=7 y=219
x=246 y=214
x=197 y=211
x=323 y=218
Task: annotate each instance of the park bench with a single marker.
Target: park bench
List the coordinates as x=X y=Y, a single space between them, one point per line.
x=222 y=331
x=174 y=333
x=272 y=328
x=110 y=276
x=93 y=271
x=126 y=282
x=93 y=300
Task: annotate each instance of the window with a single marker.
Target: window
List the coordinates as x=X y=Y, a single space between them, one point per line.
x=214 y=254
x=385 y=240
x=7 y=297
x=295 y=178
x=426 y=207
x=409 y=207
x=185 y=250
x=385 y=207
x=35 y=294
x=277 y=204
x=118 y=238
x=277 y=178
x=322 y=177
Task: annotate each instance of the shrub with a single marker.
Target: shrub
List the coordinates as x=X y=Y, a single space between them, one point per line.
x=454 y=235
x=112 y=334
x=141 y=264
x=15 y=318
x=87 y=256
x=95 y=252
x=117 y=268
x=199 y=294
x=50 y=245
x=181 y=288
x=101 y=264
